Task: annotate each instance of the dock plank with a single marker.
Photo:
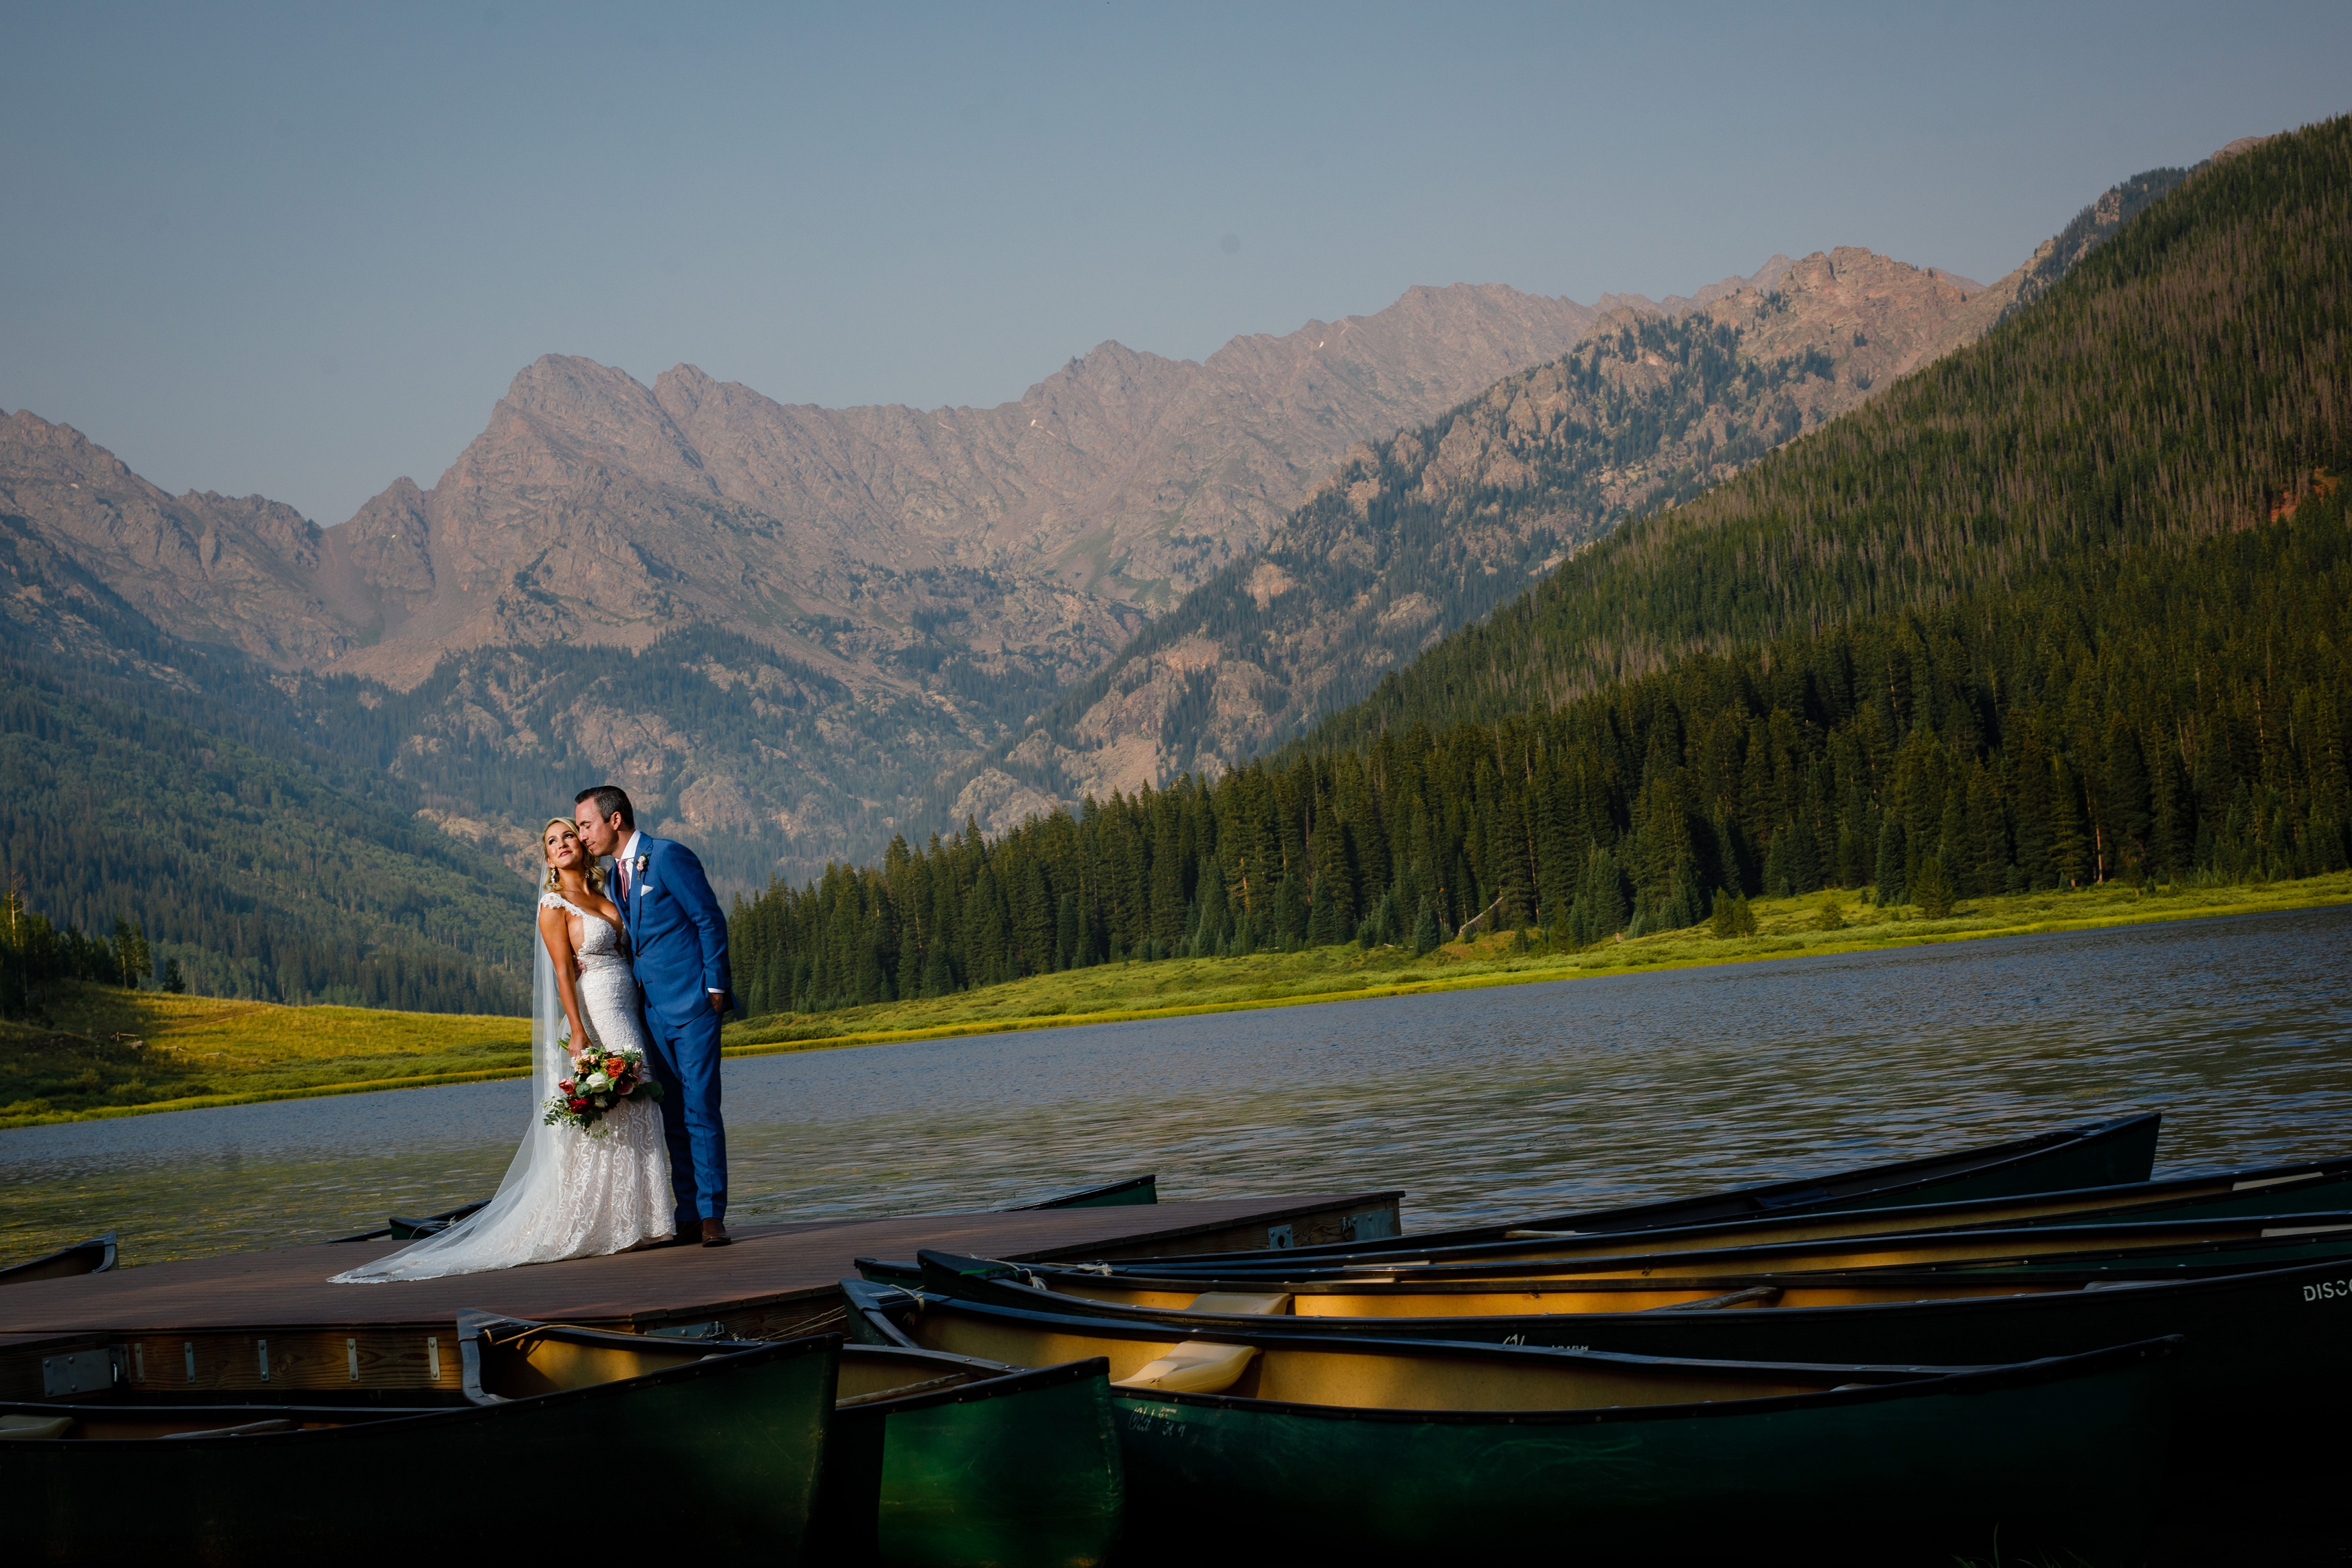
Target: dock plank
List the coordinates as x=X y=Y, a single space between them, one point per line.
x=768 y=1266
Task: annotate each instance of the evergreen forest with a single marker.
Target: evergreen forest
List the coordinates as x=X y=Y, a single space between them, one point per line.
x=2072 y=605
x=248 y=847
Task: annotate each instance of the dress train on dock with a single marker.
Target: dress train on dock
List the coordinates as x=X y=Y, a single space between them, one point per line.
x=566 y=1194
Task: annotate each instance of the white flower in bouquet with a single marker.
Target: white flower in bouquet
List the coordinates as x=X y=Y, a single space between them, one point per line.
x=597 y=1081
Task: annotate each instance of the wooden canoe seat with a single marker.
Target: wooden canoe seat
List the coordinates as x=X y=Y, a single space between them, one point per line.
x=1193 y=1367
x=1269 y=1306
x=35 y=1426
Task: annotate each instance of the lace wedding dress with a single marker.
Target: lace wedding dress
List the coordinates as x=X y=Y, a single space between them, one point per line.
x=566 y=1194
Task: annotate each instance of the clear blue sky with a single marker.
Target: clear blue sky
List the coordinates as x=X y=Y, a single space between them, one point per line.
x=300 y=250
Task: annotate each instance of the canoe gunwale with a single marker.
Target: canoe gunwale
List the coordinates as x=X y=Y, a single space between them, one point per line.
x=1849 y=1185
x=1906 y=1381
x=2036 y=1240
x=1018 y=1380
x=990 y=1380
x=1212 y=1324
x=1954 y=1381
x=383 y=1418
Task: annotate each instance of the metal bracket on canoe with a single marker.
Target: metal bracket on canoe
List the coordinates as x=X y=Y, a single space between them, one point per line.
x=1762 y=1295
x=714 y=1329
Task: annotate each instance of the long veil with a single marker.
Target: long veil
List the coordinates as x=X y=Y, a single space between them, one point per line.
x=471 y=1245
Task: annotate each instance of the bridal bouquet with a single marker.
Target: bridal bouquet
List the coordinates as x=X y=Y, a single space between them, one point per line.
x=600 y=1082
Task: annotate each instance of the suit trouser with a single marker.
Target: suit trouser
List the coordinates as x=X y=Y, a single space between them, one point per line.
x=686 y=1057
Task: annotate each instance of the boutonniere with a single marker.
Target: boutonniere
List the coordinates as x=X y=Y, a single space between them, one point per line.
x=642 y=861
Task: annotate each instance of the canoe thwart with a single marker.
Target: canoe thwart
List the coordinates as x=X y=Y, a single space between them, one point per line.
x=1268 y=1305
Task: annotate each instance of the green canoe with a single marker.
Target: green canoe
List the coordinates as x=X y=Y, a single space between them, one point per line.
x=1125 y=1193
x=944 y=1460
x=716 y=1459
x=2128 y=1242
x=932 y=1459
x=2096 y=1153
x=95 y=1255
x=2266 y=1194
x=2268 y=1363
x=1360 y=1448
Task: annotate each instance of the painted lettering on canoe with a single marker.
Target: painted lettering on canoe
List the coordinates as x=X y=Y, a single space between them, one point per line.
x=1153 y=1420
x=2329 y=1291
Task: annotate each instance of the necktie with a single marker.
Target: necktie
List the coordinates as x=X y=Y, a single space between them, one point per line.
x=624 y=869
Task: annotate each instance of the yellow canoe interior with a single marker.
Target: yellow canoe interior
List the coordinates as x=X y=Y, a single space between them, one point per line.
x=1630 y=1258
x=548 y=1361
x=1523 y=1298
x=1392 y=1377
x=538 y=1361
x=1894 y=1252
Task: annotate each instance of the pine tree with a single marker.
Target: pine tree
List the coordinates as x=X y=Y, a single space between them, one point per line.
x=2069 y=843
x=2128 y=799
x=1601 y=908
x=1424 y=929
x=1888 y=875
x=132 y=964
x=1778 y=883
x=1212 y=932
x=1932 y=889
x=1322 y=919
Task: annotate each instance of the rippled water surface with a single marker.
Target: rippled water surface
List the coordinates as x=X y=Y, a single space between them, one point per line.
x=1477 y=1103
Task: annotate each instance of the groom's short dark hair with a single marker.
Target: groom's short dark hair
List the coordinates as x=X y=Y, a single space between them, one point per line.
x=610 y=798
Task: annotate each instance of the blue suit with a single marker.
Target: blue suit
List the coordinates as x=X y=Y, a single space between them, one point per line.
x=677 y=937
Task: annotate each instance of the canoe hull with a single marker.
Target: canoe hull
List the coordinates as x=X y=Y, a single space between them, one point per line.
x=1021 y=1472
x=2096 y=1155
x=2056 y=1467
x=724 y=1469
x=2269 y=1353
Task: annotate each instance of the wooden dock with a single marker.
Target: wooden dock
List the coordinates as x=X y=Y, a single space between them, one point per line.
x=252 y=1321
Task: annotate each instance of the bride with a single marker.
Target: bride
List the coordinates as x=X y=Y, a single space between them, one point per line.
x=566 y=1194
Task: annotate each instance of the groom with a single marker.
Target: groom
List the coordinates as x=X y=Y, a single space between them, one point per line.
x=677 y=941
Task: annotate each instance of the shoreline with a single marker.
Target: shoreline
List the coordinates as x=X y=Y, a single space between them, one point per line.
x=1787 y=937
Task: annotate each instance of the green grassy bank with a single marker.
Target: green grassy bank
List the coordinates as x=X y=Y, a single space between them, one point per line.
x=106 y=1052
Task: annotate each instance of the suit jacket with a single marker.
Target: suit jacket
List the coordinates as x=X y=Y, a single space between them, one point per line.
x=677 y=931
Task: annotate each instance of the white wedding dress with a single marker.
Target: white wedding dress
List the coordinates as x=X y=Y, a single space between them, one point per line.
x=566 y=1194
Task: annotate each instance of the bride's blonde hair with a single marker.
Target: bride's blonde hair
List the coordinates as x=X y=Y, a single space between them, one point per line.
x=595 y=873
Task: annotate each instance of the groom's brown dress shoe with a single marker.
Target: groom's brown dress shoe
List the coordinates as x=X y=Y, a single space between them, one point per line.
x=714 y=1233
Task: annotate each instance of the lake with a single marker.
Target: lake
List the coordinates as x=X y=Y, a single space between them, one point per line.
x=1479 y=1105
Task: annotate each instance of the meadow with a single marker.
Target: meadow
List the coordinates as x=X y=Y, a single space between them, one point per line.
x=98 y=1050
x=108 y=1052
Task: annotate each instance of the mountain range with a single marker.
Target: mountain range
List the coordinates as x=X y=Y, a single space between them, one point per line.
x=2069 y=605
x=893 y=589
x=796 y=632
x=1419 y=533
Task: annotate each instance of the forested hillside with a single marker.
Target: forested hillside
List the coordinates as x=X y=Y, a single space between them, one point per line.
x=2185 y=379
x=1418 y=533
x=260 y=847
x=2076 y=604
